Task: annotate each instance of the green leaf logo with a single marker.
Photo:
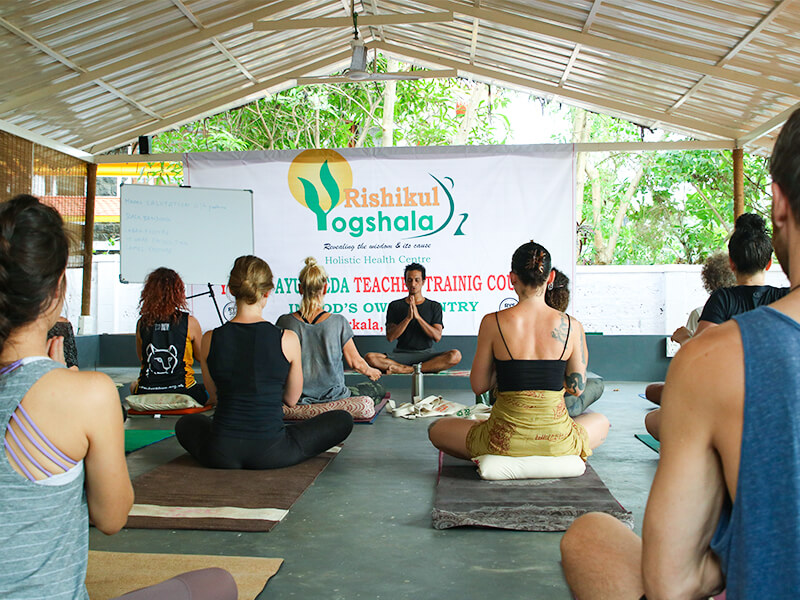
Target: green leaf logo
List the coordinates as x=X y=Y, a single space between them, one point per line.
x=312 y=196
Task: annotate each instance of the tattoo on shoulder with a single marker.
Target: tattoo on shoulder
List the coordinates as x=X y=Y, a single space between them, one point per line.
x=560 y=333
x=574 y=383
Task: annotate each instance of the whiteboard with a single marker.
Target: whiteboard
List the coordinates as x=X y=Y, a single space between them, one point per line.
x=198 y=232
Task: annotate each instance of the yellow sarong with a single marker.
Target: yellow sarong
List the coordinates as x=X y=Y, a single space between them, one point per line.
x=529 y=423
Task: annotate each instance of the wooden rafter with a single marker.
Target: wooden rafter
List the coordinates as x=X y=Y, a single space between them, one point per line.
x=625 y=49
x=365 y=20
x=114 y=67
x=551 y=89
x=577 y=49
x=754 y=31
x=278 y=78
x=214 y=40
x=33 y=41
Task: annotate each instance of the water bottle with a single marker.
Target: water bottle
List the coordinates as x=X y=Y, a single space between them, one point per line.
x=417 y=389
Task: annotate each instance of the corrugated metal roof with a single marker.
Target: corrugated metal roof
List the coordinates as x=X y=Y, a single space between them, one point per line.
x=95 y=75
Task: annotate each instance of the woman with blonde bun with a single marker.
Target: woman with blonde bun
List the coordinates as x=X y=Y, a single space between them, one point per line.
x=252 y=369
x=325 y=338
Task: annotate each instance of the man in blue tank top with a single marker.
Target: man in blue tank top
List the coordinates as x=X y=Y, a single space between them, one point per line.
x=724 y=509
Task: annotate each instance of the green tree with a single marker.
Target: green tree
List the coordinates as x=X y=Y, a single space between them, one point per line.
x=654 y=207
x=419 y=113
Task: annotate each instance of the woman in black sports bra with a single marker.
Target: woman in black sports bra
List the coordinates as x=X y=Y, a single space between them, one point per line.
x=532 y=353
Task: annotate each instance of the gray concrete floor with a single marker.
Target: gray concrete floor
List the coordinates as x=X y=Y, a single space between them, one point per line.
x=363 y=530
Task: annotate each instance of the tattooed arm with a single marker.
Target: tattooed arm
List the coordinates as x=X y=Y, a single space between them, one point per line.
x=577 y=357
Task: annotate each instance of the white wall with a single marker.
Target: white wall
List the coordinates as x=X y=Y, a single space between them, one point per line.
x=608 y=299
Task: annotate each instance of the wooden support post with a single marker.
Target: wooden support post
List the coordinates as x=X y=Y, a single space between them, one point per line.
x=88 y=242
x=738 y=182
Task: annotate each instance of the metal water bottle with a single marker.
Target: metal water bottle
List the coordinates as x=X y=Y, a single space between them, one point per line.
x=417 y=388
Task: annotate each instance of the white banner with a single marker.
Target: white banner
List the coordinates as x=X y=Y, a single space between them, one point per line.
x=366 y=213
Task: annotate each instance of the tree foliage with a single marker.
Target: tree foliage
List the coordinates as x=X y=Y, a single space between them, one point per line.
x=655 y=207
x=426 y=112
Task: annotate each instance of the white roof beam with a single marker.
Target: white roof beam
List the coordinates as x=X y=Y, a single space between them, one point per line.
x=473 y=45
x=767 y=127
x=576 y=50
x=363 y=20
x=374 y=4
x=565 y=34
x=279 y=77
x=33 y=41
x=550 y=89
x=580 y=147
x=137 y=59
x=217 y=44
x=768 y=18
x=36 y=138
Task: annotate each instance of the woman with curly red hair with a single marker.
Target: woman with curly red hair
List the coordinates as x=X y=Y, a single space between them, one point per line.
x=167 y=338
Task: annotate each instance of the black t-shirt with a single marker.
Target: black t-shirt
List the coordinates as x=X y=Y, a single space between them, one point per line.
x=163 y=355
x=725 y=303
x=249 y=369
x=413 y=338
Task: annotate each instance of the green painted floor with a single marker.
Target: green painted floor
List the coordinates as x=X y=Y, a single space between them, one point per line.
x=363 y=529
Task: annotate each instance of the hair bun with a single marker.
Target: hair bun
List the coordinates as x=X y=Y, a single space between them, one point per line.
x=751 y=222
x=311 y=261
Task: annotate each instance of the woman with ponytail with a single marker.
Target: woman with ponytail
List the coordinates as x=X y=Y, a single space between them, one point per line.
x=533 y=353
x=750 y=253
x=252 y=369
x=63 y=464
x=326 y=338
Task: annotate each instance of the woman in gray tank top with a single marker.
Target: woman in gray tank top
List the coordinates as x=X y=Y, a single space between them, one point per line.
x=64 y=463
x=325 y=339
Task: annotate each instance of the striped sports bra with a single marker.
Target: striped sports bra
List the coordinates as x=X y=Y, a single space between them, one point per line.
x=28 y=431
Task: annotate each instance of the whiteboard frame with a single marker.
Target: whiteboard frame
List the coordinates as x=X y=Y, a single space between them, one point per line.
x=206 y=232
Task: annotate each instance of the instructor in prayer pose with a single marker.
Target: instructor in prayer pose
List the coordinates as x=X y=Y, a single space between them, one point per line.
x=416 y=323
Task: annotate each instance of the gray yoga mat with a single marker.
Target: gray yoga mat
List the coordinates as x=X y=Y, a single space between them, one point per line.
x=464 y=499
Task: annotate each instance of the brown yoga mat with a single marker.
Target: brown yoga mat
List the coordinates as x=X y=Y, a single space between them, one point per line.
x=111 y=574
x=184 y=495
x=464 y=499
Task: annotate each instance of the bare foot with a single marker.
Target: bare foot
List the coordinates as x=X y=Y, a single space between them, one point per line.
x=395 y=369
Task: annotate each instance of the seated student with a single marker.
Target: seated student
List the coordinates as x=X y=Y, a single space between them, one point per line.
x=416 y=323
x=64 y=451
x=716 y=274
x=532 y=352
x=167 y=339
x=724 y=509
x=557 y=296
x=750 y=251
x=325 y=339
x=252 y=369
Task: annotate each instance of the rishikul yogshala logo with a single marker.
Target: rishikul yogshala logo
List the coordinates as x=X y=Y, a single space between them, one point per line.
x=322 y=180
x=316 y=180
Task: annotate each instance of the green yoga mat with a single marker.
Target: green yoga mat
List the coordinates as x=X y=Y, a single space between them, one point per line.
x=649 y=441
x=136 y=439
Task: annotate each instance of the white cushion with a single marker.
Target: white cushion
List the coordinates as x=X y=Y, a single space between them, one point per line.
x=498 y=468
x=161 y=401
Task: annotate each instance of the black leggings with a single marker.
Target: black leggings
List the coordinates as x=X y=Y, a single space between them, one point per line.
x=298 y=442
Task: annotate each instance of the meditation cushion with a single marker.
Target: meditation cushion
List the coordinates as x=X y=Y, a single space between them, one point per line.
x=361 y=407
x=498 y=468
x=161 y=401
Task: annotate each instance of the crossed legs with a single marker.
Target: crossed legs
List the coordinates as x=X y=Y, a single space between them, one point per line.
x=442 y=361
